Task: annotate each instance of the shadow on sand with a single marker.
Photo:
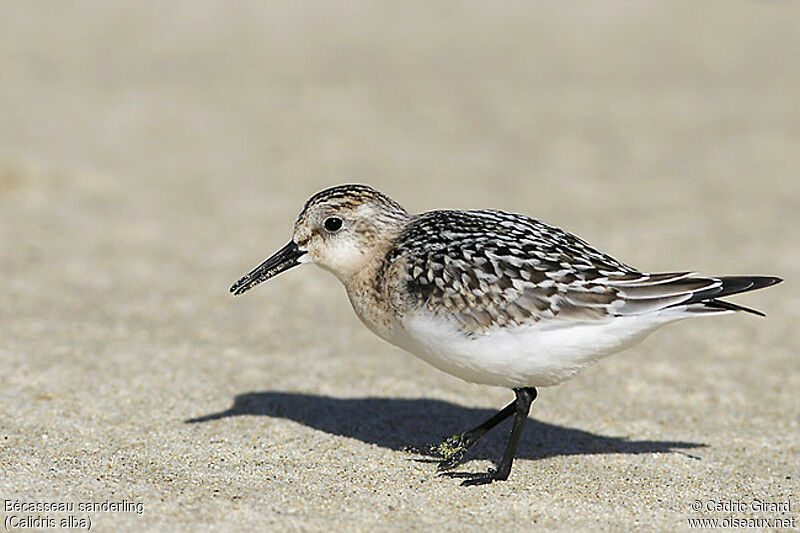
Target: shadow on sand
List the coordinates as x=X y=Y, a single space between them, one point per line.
x=397 y=422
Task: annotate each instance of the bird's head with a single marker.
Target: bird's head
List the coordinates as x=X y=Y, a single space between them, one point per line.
x=341 y=229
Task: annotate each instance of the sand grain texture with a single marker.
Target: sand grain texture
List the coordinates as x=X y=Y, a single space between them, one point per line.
x=150 y=154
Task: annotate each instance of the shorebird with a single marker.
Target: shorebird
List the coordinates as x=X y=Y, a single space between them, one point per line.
x=491 y=297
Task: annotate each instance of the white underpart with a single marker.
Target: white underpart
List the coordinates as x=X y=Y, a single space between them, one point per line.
x=537 y=355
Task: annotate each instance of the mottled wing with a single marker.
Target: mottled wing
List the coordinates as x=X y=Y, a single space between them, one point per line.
x=486 y=269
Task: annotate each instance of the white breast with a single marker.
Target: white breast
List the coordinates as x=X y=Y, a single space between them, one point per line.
x=529 y=356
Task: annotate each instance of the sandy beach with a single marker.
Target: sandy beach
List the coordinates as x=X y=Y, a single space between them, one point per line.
x=151 y=154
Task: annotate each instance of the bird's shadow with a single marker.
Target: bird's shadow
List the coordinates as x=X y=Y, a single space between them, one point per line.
x=397 y=422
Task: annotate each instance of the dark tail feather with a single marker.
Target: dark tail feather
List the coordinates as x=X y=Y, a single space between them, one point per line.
x=722 y=304
x=732 y=285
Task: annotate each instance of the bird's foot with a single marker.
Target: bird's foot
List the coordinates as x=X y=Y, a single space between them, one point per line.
x=472 y=479
x=423 y=449
x=452 y=450
x=452 y=460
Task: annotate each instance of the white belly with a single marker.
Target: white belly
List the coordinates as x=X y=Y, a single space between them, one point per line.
x=529 y=356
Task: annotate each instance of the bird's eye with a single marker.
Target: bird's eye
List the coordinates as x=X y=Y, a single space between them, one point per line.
x=333 y=224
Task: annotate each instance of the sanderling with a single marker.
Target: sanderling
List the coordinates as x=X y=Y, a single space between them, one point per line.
x=490 y=297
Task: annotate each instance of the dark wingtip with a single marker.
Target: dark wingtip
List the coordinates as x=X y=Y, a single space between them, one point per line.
x=734 y=285
x=730 y=285
x=737 y=284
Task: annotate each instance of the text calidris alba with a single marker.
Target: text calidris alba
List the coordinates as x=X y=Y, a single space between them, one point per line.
x=490 y=297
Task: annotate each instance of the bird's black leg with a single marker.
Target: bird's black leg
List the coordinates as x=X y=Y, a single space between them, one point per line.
x=453 y=449
x=525 y=397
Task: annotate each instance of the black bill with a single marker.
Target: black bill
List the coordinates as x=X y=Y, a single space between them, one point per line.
x=283 y=259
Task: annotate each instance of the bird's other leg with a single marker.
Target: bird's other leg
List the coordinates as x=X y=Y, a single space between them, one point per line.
x=453 y=449
x=525 y=397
